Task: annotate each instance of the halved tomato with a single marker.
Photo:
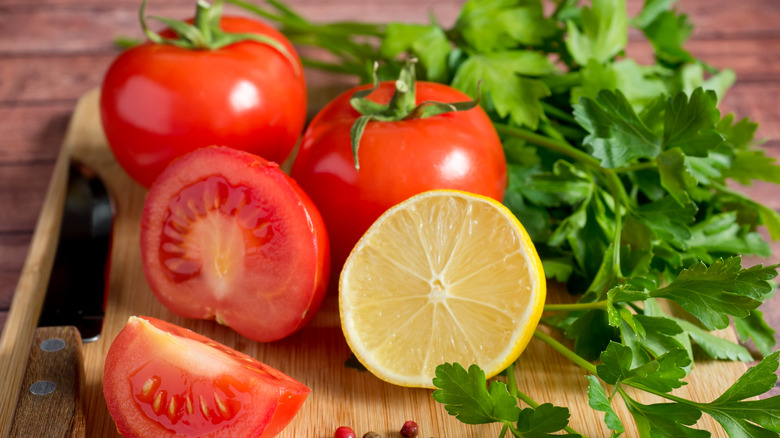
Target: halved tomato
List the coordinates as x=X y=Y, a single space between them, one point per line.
x=227 y=235
x=162 y=380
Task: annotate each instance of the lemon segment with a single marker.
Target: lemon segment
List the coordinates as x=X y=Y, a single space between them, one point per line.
x=445 y=276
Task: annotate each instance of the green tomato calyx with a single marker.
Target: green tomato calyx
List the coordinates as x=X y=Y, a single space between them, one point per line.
x=205 y=32
x=402 y=105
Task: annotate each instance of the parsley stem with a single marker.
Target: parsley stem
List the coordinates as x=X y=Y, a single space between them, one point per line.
x=558 y=113
x=635 y=167
x=560 y=348
x=618 y=191
x=549 y=143
x=512 y=386
x=667 y=396
x=573 y=307
x=511 y=381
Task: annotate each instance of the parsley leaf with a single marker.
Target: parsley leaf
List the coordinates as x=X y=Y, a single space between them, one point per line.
x=612 y=124
x=737 y=135
x=427 y=42
x=722 y=233
x=675 y=176
x=615 y=363
x=715 y=346
x=543 y=421
x=604 y=32
x=465 y=395
x=503 y=90
x=668 y=219
x=689 y=124
x=665 y=419
x=496 y=25
x=741 y=418
x=712 y=293
x=664 y=373
x=597 y=399
x=658 y=336
x=667 y=33
x=753 y=327
x=650 y=11
x=749 y=165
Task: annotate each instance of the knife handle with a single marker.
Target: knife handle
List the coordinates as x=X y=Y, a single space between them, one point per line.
x=50 y=403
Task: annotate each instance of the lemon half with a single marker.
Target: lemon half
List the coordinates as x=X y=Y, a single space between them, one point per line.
x=445 y=276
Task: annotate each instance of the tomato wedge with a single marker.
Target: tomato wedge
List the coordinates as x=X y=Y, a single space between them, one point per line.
x=227 y=235
x=162 y=380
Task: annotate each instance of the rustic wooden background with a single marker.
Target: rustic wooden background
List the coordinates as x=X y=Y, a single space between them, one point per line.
x=53 y=51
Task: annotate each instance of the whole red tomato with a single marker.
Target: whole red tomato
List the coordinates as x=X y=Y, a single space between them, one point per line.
x=161 y=380
x=159 y=101
x=398 y=159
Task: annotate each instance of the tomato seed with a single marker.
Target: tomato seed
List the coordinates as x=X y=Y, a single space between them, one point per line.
x=188 y=405
x=221 y=408
x=149 y=388
x=372 y=435
x=409 y=430
x=204 y=409
x=172 y=408
x=158 y=402
x=344 y=432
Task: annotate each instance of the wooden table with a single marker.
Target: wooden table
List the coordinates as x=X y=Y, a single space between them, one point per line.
x=53 y=51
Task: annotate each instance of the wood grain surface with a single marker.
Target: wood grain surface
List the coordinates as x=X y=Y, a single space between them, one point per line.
x=52 y=52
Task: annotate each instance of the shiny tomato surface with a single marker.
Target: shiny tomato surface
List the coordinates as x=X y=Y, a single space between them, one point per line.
x=159 y=101
x=161 y=380
x=227 y=235
x=456 y=150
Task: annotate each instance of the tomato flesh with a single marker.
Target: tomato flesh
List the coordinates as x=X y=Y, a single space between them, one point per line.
x=163 y=380
x=190 y=247
x=226 y=235
x=194 y=406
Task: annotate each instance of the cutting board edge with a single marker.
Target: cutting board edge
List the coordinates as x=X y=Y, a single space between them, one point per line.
x=34 y=278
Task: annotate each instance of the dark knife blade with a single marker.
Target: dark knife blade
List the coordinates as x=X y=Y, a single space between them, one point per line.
x=50 y=403
x=77 y=284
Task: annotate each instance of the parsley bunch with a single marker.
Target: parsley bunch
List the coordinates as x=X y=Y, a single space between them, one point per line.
x=623 y=175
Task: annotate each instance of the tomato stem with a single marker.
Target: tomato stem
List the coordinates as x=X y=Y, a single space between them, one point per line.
x=205 y=33
x=401 y=107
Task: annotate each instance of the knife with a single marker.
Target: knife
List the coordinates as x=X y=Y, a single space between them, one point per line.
x=50 y=403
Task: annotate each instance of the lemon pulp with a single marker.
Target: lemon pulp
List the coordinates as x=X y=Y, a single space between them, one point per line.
x=444 y=276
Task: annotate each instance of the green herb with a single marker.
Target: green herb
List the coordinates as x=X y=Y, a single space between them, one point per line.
x=466 y=395
x=623 y=175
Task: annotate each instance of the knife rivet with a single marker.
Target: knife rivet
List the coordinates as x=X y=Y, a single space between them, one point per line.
x=53 y=344
x=43 y=387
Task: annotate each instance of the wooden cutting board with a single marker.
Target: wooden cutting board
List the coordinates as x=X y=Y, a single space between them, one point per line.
x=340 y=395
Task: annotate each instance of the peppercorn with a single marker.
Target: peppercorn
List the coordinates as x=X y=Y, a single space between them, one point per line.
x=344 y=432
x=409 y=429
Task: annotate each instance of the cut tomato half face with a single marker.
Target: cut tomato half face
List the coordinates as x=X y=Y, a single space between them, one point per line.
x=227 y=235
x=162 y=380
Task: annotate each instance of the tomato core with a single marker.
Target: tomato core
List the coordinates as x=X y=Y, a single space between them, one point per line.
x=209 y=229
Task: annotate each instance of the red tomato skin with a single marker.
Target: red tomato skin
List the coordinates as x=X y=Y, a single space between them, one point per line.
x=159 y=101
x=285 y=280
x=276 y=397
x=458 y=150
